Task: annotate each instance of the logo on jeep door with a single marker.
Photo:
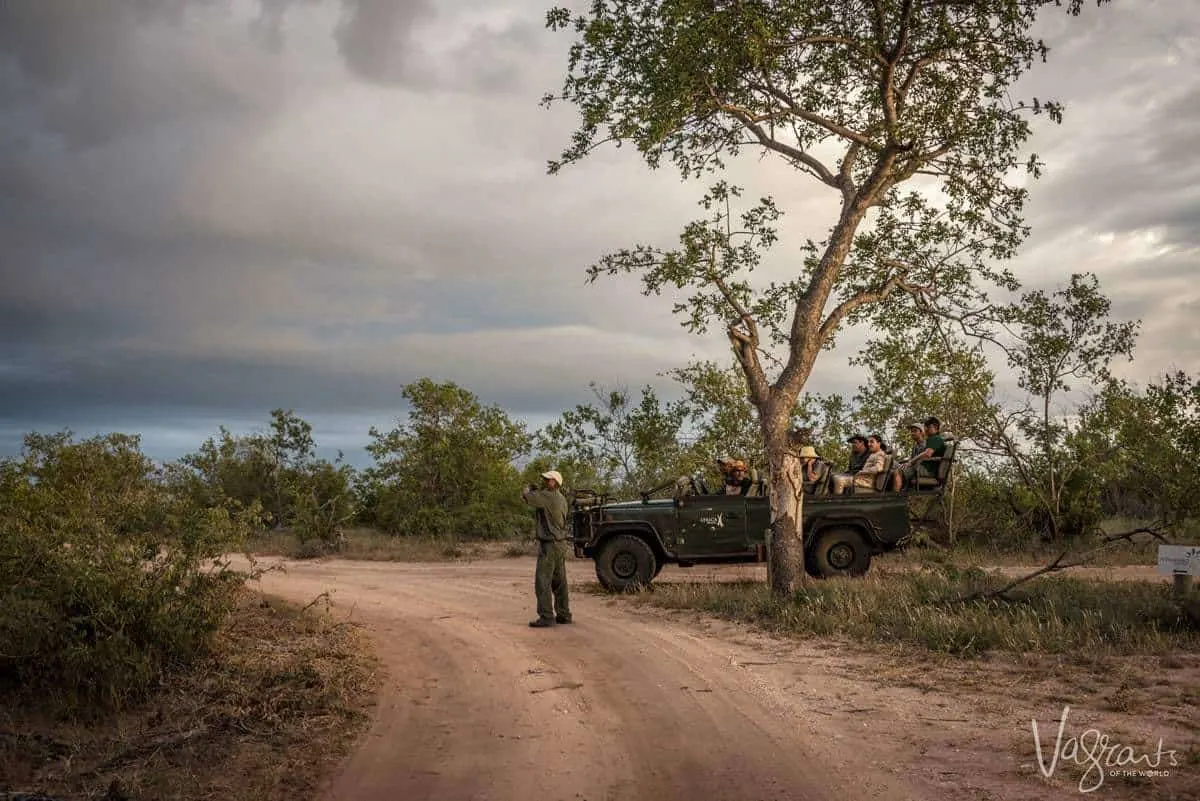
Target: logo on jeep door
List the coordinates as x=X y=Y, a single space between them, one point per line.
x=716 y=521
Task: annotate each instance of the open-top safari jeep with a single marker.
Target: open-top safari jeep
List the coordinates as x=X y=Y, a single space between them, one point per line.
x=631 y=541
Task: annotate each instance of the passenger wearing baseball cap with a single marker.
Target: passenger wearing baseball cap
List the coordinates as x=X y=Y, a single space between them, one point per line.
x=858 y=453
x=553 y=535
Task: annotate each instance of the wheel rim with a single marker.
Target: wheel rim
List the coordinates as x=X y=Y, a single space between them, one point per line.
x=624 y=564
x=841 y=556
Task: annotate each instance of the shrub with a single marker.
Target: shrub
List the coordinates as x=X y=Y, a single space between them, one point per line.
x=322 y=502
x=105 y=575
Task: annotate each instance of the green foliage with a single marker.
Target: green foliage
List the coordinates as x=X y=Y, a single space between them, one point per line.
x=914 y=373
x=1055 y=340
x=722 y=419
x=903 y=89
x=627 y=447
x=1144 y=442
x=103 y=585
x=321 y=502
x=278 y=471
x=233 y=469
x=717 y=408
x=450 y=470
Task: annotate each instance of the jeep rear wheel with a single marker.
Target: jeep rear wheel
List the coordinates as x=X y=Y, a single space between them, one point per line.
x=838 y=552
x=625 y=562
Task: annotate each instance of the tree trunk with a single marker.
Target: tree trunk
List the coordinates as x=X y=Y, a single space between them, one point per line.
x=1054 y=507
x=787 y=506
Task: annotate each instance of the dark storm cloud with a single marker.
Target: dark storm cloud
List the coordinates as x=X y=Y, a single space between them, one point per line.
x=375 y=37
x=210 y=208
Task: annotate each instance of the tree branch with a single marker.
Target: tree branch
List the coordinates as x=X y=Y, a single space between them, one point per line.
x=842 y=40
x=887 y=87
x=1058 y=564
x=844 y=308
x=752 y=122
x=808 y=116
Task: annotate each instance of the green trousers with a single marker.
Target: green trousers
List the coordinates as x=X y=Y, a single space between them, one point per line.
x=550 y=581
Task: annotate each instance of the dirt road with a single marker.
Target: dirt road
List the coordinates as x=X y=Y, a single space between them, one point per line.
x=624 y=704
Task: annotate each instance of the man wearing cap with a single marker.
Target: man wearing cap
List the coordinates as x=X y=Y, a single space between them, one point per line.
x=553 y=532
x=932 y=447
x=935 y=446
x=858 y=453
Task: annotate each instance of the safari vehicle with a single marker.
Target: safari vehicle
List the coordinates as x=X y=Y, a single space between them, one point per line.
x=631 y=541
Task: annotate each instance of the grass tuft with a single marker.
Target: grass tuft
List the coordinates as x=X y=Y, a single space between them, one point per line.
x=1052 y=615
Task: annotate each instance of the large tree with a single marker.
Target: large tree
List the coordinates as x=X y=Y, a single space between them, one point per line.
x=902 y=108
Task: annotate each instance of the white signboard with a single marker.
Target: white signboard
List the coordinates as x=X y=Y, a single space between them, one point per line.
x=1179 y=559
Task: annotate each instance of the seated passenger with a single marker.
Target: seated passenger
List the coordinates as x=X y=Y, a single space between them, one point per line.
x=813 y=469
x=738 y=482
x=724 y=466
x=858 y=453
x=864 y=478
x=905 y=473
x=930 y=446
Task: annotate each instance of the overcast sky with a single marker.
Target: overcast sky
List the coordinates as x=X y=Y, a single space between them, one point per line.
x=210 y=209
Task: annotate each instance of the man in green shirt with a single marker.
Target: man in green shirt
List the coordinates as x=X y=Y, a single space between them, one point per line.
x=935 y=447
x=553 y=535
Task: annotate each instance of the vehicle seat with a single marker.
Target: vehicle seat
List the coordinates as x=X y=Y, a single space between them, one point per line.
x=884 y=480
x=943 y=469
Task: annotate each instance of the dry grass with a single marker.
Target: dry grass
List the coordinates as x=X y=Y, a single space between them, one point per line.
x=368 y=544
x=266 y=716
x=1076 y=618
x=1142 y=552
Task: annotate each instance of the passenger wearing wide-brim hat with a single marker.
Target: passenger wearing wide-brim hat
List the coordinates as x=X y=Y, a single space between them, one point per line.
x=804 y=468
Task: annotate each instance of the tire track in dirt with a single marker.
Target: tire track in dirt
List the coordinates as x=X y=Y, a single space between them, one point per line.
x=617 y=706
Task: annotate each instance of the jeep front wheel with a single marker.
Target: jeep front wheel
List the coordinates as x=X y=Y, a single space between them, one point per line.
x=625 y=562
x=838 y=552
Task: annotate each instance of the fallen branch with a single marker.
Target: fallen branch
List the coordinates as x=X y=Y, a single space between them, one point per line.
x=1058 y=564
x=314 y=601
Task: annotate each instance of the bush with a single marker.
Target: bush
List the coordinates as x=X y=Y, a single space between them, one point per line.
x=322 y=503
x=103 y=581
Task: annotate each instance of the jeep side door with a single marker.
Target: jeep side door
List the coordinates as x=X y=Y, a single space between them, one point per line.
x=712 y=525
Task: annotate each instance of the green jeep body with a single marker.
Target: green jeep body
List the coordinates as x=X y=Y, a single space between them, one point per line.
x=631 y=541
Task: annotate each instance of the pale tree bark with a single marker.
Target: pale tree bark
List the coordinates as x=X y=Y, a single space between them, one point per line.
x=789 y=517
x=787 y=506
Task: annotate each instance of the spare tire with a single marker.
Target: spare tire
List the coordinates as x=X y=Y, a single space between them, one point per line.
x=625 y=562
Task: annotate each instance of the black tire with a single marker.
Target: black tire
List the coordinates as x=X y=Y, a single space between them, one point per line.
x=838 y=552
x=624 y=563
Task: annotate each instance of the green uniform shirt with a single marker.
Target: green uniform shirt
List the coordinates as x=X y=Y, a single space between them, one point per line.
x=939 y=450
x=553 y=512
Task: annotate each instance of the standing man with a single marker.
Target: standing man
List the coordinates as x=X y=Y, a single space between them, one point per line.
x=553 y=531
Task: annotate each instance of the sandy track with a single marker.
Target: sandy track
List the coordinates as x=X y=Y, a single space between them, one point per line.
x=637 y=703
x=477 y=705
